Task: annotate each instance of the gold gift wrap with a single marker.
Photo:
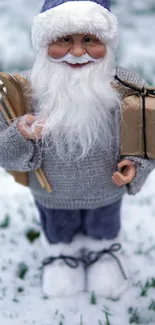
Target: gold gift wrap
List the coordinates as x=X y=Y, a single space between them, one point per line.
x=137 y=136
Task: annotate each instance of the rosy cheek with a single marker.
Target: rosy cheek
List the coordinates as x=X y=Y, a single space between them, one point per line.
x=57 y=52
x=98 y=52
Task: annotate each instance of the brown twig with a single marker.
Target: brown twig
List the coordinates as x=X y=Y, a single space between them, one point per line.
x=7 y=103
x=39 y=177
x=6 y=116
x=48 y=187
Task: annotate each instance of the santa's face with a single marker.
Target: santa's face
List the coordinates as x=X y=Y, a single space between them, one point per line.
x=71 y=80
x=77 y=45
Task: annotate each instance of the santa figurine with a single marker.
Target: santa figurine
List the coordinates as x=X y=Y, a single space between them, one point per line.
x=73 y=134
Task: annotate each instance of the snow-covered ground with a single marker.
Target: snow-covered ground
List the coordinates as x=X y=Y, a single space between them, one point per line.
x=21 y=301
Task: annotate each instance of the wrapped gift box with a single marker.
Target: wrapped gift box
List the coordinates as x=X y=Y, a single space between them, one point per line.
x=136 y=130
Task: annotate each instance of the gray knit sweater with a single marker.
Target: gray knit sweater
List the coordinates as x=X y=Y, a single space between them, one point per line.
x=85 y=184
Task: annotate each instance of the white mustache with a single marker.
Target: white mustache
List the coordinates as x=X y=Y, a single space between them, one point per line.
x=69 y=58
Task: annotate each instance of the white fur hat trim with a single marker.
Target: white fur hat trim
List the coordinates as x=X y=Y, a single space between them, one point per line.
x=74 y=17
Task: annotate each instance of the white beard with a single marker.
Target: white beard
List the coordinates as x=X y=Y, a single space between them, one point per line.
x=76 y=104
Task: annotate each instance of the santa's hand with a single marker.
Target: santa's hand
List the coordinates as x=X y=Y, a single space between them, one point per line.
x=127 y=175
x=30 y=127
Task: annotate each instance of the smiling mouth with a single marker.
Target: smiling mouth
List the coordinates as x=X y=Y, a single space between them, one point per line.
x=77 y=65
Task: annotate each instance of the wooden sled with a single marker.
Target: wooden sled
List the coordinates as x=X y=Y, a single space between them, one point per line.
x=16 y=94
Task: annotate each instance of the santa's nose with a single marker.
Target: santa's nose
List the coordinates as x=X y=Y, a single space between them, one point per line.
x=77 y=50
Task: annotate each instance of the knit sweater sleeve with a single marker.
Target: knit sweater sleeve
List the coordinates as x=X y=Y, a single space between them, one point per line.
x=16 y=152
x=143 y=166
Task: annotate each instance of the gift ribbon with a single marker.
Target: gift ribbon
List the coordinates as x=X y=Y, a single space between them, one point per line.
x=143 y=92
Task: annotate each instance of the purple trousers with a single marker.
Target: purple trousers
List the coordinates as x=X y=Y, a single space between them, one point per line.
x=60 y=226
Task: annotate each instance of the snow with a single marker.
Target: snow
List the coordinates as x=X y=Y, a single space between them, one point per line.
x=30 y=306
x=21 y=300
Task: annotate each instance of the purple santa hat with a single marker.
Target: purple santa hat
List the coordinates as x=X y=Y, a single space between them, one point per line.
x=63 y=17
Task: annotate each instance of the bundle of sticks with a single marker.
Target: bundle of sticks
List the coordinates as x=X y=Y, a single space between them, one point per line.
x=13 y=105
